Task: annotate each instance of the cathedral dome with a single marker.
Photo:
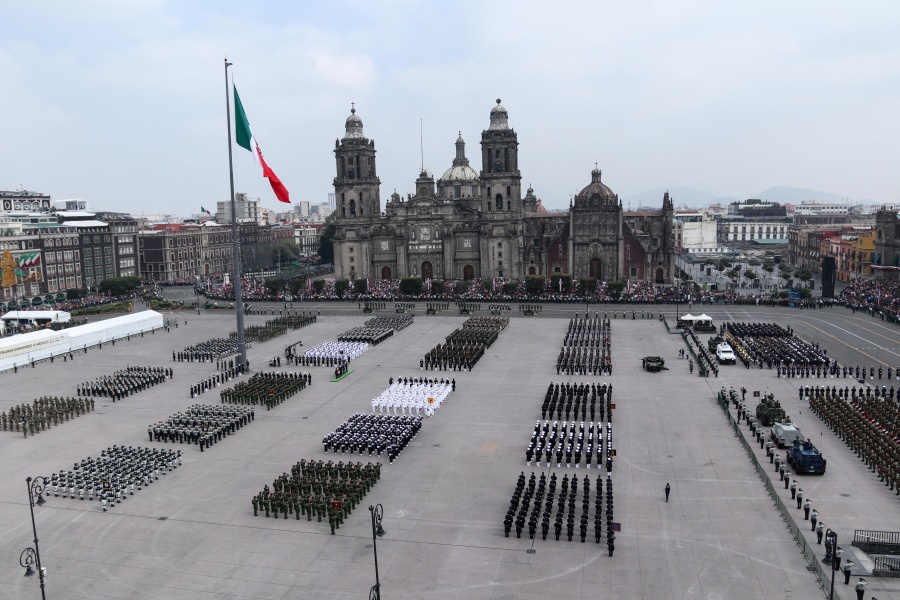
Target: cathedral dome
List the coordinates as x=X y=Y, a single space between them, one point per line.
x=354 y=125
x=460 y=173
x=499 y=117
x=596 y=187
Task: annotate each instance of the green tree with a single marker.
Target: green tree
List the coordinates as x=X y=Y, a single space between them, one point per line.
x=75 y=293
x=341 y=286
x=285 y=252
x=326 y=241
x=437 y=287
x=274 y=285
x=803 y=274
x=411 y=286
x=768 y=266
x=750 y=274
x=753 y=262
x=461 y=287
x=318 y=285
x=116 y=286
x=534 y=284
x=359 y=286
x=616 y=288
x=509 y=288
x=588 y=285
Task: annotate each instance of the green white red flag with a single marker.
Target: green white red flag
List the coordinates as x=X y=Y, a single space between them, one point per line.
x=246 y=140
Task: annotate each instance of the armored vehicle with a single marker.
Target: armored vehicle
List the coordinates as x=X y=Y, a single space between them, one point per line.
x=714 y=342
x=784 y=434
x=805 y=458
x=769 y=411
x=653 y=363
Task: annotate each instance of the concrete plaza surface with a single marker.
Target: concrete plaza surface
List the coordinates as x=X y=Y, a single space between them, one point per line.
x=192 y=534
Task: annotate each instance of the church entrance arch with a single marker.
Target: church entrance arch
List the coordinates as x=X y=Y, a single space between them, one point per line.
x=468 y=272
x=427 y=270
x=660 y=278
x=594 y=268
x=532 y=271
x=385 y=272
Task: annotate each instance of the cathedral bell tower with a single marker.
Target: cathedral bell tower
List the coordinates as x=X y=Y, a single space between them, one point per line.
x=500 y=166
x=356 y=185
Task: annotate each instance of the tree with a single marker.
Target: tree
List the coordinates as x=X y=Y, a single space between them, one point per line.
x=803 y=274
x=534 y=284
x=274 y=285
x=341 y=286
x=616 y=287
x=509 y=288
x=319 y=285
x=117 y=286
x=285 y=252
x=750 y=274
x=768 y=266
x=411 y=286
x=326 y=241
x=461 y=287
x=360 y=286
x=588 y=285
x=437 y=287
x=753 y=262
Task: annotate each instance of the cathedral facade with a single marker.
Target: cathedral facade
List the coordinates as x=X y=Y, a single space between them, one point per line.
x=474 y=224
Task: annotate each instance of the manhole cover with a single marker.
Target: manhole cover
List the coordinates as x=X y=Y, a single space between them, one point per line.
x=669 y=456
x=163 y=518
x=304 y=418
x=845 y=495
x=435 y=445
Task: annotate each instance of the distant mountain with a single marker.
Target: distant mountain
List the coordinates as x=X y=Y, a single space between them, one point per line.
x=791 y=195
x=682 y=196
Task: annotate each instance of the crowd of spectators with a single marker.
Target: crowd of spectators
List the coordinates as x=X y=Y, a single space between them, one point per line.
x=875 y=296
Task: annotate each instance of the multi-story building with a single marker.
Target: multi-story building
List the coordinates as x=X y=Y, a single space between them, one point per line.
x=748 y=229
x=246 y=209
x=177 y=252
x=886 y=263
x=816 y=208
x=306 y=236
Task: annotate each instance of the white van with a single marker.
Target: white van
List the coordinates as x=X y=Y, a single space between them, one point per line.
x=725 y=354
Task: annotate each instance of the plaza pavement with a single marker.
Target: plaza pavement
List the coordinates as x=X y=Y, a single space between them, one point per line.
x=192 y=534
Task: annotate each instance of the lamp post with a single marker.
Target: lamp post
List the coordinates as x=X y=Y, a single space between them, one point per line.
x=830 y=548
x=197 y=293
x=32 y=556
x=377 y=531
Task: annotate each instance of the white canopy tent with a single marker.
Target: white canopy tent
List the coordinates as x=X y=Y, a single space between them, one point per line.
x=35 y=318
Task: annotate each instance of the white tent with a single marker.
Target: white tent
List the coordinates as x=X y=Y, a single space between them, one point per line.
x=687 y=317
x=703 y=317
x=36 y=318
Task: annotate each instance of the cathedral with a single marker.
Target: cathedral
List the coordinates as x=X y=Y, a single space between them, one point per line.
x=475 y=224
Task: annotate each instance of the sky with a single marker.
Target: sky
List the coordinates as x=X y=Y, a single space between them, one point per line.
x=122 y=102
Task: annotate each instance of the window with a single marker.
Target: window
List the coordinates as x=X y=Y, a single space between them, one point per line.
x=634 y=271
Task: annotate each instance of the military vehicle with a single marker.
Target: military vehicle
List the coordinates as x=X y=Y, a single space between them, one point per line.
x=714 y=342
x=805 y=458
x=769 y=411
x=725 y=354
x=653 y=363
x=784 y=434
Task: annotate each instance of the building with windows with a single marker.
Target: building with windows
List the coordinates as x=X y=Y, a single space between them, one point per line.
x=886 y=262
x=473 y=224
x=246 y=209
x=184 y=252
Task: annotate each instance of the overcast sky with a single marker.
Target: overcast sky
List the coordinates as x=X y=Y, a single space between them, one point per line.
x=122 y=101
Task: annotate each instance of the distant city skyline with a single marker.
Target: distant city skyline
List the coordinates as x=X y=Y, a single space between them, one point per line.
x=123 y=103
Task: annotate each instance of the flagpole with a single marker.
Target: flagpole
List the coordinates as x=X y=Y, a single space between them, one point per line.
x=235 y=246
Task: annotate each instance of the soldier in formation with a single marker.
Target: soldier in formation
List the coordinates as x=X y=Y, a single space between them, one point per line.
x=464 y=347
x=415 y=397
x=276 y=327
x=209 y=383
x=586 y=348
x=43 y=413
x=211 y=350
x=868 y=422
x=330 y=353
x=571 y=399
x=324 y=490
x=201 y=424
x=387 y=434
x=114 y=475
x=268 y=388
x=571 y=444
x=125 y=382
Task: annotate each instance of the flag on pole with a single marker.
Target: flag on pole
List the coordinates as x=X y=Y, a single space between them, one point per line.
x=203 y=210
x=246 y=140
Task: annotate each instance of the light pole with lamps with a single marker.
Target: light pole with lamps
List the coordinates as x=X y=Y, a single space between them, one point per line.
x=377 y=531
x=32 y=556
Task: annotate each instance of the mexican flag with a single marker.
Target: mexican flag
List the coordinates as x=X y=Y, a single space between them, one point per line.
x=203 y=210
x=246 y=140
x=32 y=259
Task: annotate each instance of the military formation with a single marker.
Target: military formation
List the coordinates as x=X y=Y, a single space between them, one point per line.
x=208 y=351
x=465 y=346
x=388 y=434
x=376 y=330
x=868 y=423
x=213 y=381
x=43 y=413
x=276 y=327
x=771 y=345
x=125 y=382
x=114 y=475
x=201 y=424
x=418 y=397
x=528 y=504
x=586 y=348
x=266 y=388
x=570 y=399
x=571 y=444
x=330 y=353
x=314 y=488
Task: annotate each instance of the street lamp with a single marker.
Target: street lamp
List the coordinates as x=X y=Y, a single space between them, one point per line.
x=32 y=556
x=830 y=548
x=377 y=531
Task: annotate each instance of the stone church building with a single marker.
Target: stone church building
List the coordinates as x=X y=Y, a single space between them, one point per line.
x=475 y=224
